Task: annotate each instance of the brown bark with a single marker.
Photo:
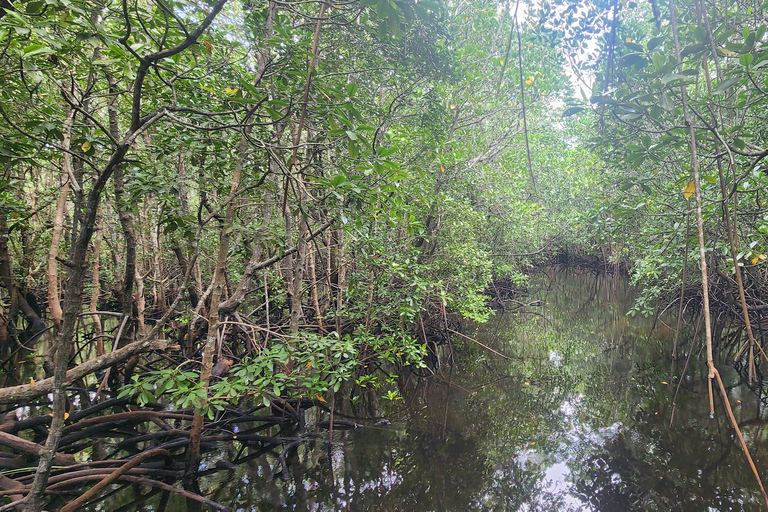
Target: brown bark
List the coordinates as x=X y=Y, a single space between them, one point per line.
x=3 y=330
x=340 y=276
x=126 y=223
x=94 y=491
x=72 y=301
x=27 y=392
x=313 y=289
x=24 y=446
x=54 y=305
x=96 y=291
x=194 y=287
x=298 y=275
x=82 y=235
x=158 y=283
x=193 y=450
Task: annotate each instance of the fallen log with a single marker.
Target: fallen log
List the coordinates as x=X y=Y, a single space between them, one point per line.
x=25 y=392
x=22 y=445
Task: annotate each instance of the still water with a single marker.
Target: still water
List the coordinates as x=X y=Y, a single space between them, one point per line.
x=577 y=419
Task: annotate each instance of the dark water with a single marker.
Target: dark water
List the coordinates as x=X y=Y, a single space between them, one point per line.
x=578 y=419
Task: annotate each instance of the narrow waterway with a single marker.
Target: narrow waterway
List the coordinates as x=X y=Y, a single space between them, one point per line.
x=577 y=419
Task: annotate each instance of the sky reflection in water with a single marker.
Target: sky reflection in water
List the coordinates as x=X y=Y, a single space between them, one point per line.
x=577 y=420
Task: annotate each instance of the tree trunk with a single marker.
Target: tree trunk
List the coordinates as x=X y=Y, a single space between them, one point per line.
x=54 y=305
x=193 y=449
x=98 y=330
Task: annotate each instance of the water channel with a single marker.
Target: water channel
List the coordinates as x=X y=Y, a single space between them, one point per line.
x=577 y=419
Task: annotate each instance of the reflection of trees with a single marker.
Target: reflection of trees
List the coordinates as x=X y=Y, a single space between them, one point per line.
x=484 y=433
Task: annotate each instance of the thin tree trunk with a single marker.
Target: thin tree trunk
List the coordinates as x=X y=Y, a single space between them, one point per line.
x=158 y=283
x=340 y=277
x=313 y=290
x=96 y=291
x=193 y=449
x=298 y=276
x=54 y=305
x=713 y=373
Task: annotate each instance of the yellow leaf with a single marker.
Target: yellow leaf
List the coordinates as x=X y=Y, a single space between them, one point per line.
x=442 y=169
x=321 y=398
x=86 y=146
x=533 y=443
x=528 y=82
x=231 y=90
x=66 y=415
x=207 y=89
x=502 y=62
x=689 y=190
x=629 y=39
x=208 y=46
x=664 y=382
x=31 y=380
x=761 y=256
x=308 y=365
x=754 y=260
x=530 y=45
x=727 y=52
x=527 y=383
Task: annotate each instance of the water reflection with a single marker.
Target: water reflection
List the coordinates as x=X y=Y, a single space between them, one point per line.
x=577 y=419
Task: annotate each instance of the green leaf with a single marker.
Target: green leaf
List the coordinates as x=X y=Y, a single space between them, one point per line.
x=274 y=114
x=658 y=61
x=385 y=152
x=34 y=7
x=749 y=44
x=633 y=59
x=666 y=102
x=700 y=33
x=673 y=77
x=693 y=49
x=745 y=59
x=36 y=49
x=760 y=33
x=725 y=85
x=653 y=43
x=761 y=64
x=572 y=111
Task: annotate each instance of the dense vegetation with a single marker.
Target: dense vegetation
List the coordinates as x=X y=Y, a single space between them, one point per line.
x=212 y=203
